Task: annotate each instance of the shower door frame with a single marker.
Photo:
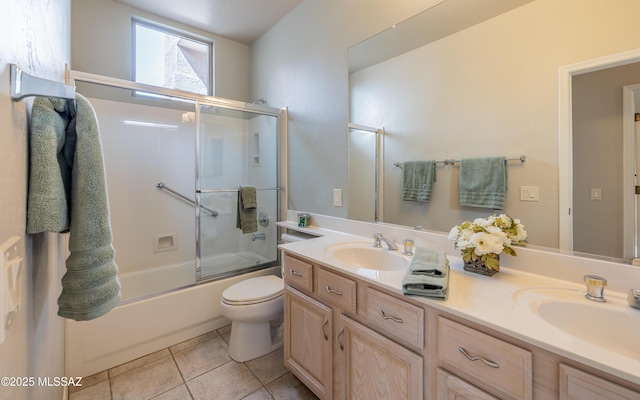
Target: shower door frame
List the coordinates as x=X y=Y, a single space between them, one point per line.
x=281 y=114
x=242 y=107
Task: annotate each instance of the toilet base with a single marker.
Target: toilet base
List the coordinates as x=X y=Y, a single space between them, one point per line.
x=251 y=340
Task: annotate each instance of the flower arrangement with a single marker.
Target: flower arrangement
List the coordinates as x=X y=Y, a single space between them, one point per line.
x=485 y=238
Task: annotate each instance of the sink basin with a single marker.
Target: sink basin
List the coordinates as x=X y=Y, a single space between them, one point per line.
x=364 y=255
x=612 y=325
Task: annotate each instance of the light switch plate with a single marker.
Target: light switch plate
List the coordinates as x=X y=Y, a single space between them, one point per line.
x=596 y=194
x=529 y=193
x=337 y=197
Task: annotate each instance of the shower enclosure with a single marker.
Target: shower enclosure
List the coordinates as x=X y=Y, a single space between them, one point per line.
x=174 y=163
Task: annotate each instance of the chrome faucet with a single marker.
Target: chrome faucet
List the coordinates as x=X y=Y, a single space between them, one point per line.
x=634 y=298
x=256 y=236
x=595 y=288
x=377 y=238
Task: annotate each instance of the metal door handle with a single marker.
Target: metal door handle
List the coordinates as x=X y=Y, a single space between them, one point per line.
x=329 y=290
x=487 y=362
x=296 y=273
x=340 y=336
x=394 y=319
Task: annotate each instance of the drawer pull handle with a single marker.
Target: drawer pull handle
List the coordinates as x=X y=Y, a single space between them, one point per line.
x=340 y=335
x=296 y=273
x=324 y=329
x=329 y=290
x=489 y=363
x=394 y=319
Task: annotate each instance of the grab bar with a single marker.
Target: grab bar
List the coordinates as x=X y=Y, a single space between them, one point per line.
x=232 y=190
x=161 y=185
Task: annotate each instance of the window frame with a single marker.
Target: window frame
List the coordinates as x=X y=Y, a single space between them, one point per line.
x=209 y=42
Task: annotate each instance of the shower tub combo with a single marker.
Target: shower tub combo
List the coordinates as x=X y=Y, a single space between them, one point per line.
x=174 y=163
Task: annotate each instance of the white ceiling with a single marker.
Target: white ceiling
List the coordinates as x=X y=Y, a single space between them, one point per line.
x=241 y=20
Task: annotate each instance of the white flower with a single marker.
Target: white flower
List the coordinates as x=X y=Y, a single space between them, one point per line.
x=486 y=243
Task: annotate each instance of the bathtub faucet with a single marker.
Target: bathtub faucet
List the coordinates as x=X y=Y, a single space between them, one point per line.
x=257 y=236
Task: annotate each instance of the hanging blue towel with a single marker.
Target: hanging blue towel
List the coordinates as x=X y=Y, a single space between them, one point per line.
x=483 y=182
x=67 y=191
x=417 y=180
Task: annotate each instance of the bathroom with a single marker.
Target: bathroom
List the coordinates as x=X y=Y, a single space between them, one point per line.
x=515 y=118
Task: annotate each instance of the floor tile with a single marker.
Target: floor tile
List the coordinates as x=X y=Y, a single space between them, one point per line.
x=177 y=393
x=225 y=332
x=98 y=391
x=201 y=356
x=138 y=362
x=268 y=367
x=288 y=387
x=262 y=394
x=231 y=381
x=90 y=381
x=146 y=381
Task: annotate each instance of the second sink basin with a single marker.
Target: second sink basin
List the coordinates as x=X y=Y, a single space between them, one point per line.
x=611 y=325
x=364 y=255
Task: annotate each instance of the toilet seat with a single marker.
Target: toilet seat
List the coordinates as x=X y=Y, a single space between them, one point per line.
x=254 y=290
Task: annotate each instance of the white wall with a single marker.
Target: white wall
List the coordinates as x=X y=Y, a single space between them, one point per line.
x=34 y=35
x=301 y=63
x=101 y=44
x=507 y=105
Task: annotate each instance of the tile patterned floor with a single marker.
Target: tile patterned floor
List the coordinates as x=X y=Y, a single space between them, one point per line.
x=197 y=369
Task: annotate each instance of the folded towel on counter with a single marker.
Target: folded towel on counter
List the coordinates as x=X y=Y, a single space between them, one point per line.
x=417 y=180
x=483 y=182
x=247 y=215
x=427 y=275
x=429 y=262
x=68 y=191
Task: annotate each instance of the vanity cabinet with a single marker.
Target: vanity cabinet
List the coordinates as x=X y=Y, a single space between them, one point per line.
x=579 y=385
x=308 y=342
x=375 y=367
x=346 y=340
x=496 y=366
x=452 y=387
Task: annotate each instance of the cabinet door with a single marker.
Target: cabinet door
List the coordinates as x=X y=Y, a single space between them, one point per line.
x=308 y=342
x=375 y=367
x=450 y=387
x=579 y=385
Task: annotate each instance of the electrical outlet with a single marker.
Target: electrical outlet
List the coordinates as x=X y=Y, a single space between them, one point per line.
x=337 y=197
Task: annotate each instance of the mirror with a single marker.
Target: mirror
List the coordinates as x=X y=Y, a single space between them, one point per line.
x=479 y=88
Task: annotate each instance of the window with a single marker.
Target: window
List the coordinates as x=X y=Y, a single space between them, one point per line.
x=168 y=58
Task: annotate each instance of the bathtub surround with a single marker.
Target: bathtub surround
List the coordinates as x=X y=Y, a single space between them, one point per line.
x=67 y=191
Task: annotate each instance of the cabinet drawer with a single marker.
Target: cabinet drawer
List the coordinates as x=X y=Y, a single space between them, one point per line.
x=499 y=367
x=395 y=317
x=576 y=384
x=298 y=273
x=337 y=290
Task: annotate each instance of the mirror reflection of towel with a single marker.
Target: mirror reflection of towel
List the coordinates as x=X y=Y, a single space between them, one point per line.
x=247 y=216
x=417 y=180
x=483 y=182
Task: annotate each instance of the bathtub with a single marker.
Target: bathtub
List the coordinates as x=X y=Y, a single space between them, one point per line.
x=136 y=328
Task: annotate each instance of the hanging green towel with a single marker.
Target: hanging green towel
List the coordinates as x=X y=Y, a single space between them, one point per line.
x=483 y=182
x=68 y=191
x=417 y=180
x=247 y=214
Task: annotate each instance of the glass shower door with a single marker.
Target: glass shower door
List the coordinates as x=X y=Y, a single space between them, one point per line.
x=235 y=148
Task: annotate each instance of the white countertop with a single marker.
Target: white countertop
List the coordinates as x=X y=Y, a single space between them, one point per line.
x=489 y=301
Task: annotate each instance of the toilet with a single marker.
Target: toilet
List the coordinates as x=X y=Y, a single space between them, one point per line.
x=255 y=307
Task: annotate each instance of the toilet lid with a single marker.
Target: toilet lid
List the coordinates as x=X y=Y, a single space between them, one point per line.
x=254 y=290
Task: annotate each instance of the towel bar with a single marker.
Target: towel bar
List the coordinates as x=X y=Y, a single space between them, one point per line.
x=451 y=161
x=25 y=85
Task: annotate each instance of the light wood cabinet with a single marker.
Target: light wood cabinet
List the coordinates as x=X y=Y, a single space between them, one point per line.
x=308 y=342
x=347 y=338
x=450 y=387
x=375 y=367
x=579 y=385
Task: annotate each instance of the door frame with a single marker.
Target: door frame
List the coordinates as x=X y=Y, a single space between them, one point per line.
x=565 y=134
